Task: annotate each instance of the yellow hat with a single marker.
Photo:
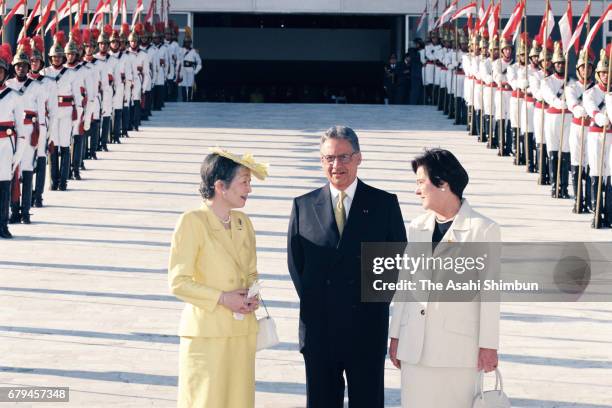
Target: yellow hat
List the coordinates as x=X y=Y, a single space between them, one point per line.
x=259 y=170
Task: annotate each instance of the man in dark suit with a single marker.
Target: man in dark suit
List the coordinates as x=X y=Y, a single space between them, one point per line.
x=339 y=334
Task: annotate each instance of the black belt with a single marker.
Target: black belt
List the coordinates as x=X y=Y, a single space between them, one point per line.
x=189 y=64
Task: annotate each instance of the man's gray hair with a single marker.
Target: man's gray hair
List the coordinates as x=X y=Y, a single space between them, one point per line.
x=343 y=133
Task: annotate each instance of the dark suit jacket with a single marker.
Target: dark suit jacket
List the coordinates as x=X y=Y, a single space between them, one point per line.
x=326 y=270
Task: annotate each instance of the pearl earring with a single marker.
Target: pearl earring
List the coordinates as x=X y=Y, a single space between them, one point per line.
x=443 y=189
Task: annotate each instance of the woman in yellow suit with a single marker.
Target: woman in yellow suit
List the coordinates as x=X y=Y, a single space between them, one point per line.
x=212 y=265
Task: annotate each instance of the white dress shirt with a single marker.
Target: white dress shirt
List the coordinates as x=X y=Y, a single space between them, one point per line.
x=348 y=200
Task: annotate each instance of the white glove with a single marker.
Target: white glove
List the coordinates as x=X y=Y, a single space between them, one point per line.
x=523 y=83
x=559 y=104
x=579 y=112
x=601 y=120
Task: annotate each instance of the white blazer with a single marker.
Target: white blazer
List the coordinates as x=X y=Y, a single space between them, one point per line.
x=448 y=334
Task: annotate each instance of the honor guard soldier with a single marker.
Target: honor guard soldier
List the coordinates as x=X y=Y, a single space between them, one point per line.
x=517 y=79
x=528 y=122
x=488 y=94
x=12 y=141
x=479 y=102
x=173 y=49
x=131 y=74
x=119 y=75
x=472 y=90
x=160 y=67
x=107 y=79
x=78 y=81
x=69 y=100
x=429 y=62
x=140 y=74
x=458 y=84
x=502 y=96
x=95 y=94
x=574 y=92
x=149 y=50
x=449 y=74
x=594 y=104
x=190 y=65
x=557 y=121
x=535 y=83
x=442 y=70
x=90 y=74
x=33 y=102
x=49 y=94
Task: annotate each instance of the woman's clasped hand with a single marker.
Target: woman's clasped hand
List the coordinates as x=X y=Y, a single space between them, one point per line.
x=237 y=301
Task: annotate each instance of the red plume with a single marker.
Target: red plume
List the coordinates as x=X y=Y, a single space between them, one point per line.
x=24 y=43
x=95 y=33
x=86 y=36
x=125 y=29
x=149 y=27
x=538 y=39
x=6 y=53
x=139 y=29
x=108 y=30
x=60 y=38
x=39 y=43
x=550 y=45
x=523 y=36
x=159 y=26
x=76 y=35
x=485 y=33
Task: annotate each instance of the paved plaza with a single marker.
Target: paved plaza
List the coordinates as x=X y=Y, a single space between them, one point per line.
x=84 y=293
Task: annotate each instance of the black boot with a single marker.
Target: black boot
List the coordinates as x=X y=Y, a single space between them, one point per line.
x=15 y=217
x=607 y=207
x=41 y=172
x=531 y=149
x=106 y=125
x=588 y=193
x=5 y=198
x=55 y=170
x=597 y=223
x=577 y=209
x=76 y=163
x=117 y=125
x=26 y=199
x=64 y=168
x=553 y=159
x=95 y=139
x=508 y=139
x=125 y=121
x=564 y=177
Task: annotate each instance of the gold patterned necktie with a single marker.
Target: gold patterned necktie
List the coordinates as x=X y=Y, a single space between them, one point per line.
x=340 y=213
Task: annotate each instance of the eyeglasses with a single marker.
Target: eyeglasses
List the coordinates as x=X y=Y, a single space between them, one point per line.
x=342 y=158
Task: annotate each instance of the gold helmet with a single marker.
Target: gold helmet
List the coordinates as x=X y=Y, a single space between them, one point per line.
x=115 y=36
x=506 y=43
x=38 y=47
x=603 y=63
x=558 y=56
x=59 y=41
x=74 y=42
x=188 y=34
x=584 y=57
x=546 y=53
x=536 y=49
x=137 y=32
x=105 y=35
x=523 y=44
x=494 y=44
x=24 y=52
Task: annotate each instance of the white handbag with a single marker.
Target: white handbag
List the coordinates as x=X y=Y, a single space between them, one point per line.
x=491 y=399
x=266 y=336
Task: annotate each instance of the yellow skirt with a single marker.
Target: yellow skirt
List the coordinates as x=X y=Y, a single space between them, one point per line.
x=217 y=372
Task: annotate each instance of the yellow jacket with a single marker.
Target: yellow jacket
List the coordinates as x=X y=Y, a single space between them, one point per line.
x=205 y=260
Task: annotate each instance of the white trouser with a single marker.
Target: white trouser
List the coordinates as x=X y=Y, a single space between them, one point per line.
x=6 y=158
x=501 y=103
x=552 y=131
x=538 y=117
x=594 y=149
x=574 y=141
x=527 y=120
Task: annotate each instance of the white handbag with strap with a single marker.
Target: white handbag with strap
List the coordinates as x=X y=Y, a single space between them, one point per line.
x=267 y=336
x=491 y=399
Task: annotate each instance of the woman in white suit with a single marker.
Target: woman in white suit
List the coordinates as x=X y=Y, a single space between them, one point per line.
x=441 y=346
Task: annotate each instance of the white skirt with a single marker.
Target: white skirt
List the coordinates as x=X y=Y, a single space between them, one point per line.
x=437 y=387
